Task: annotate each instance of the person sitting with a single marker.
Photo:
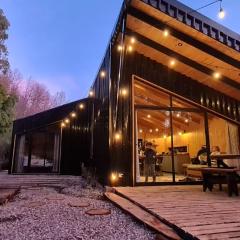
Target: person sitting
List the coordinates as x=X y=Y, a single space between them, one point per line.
x=149 y=162
x=201 y=157
x=217 y=162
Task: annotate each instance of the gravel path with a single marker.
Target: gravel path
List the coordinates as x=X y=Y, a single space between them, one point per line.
x=44 y=213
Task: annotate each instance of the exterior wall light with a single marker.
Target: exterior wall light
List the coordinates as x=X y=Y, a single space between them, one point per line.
x=114 y=177
x=63 y=125
x=81 y=106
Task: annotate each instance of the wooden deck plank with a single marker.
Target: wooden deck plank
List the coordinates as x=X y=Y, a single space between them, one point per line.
x=205 y=215
x=142 y=215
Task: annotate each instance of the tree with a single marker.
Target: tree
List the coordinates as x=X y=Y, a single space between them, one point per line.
x=34 y=97
x=4 y=24
x=6 y=110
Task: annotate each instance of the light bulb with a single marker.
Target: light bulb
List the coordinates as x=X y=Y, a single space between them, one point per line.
x=132 y=40
x=91 y=93
x=130 y=48
x=73 y=115
x=120 y=48
x=81 y=106
x=216 y=75
x=103 y=74
x=67 y=120
x=165 y=33
x=221 y=13
x=124 y=92
x=172 y=62
x=148 y=116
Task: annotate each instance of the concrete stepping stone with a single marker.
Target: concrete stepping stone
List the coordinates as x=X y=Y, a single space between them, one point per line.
x=98 y=211
x=35 y=204
x=78 y=203
x=55 y=198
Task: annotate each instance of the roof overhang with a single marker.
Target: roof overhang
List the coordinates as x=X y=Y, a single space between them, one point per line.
x=198 y=54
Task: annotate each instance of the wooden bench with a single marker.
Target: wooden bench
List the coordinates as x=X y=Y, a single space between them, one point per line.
x=229 y=176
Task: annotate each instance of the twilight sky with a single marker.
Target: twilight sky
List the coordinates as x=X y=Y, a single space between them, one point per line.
x=61 y=42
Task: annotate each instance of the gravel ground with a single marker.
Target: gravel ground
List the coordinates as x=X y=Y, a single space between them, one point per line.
x=44 y=213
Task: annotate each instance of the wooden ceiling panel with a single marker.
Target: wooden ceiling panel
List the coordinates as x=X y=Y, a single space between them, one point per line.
x=185 y=49
x=185 y=28
x=187 y=70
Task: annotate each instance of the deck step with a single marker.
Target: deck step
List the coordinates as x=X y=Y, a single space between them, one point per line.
x=143 y=216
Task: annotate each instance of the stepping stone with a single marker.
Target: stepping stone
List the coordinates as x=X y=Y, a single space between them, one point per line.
x=35 y=204
x=57 y=198
x=99 y=211
x=78 y=203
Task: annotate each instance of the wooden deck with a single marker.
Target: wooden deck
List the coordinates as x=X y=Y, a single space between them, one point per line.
x=203 y=215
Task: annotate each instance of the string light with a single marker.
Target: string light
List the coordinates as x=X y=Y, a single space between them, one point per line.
x=91 y=93
x=130 y=48
x=132 y=40
x=221 y=13
x=81 y=106
x=165 y=33
x=216 y=75
x=73 y=115
x=117 y=136
x=124 y=92
x=120 y=48
x=102 y=74
x=67 y=120
x=172 y=62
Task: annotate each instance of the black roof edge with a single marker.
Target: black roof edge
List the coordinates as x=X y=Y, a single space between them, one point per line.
x=52 y=109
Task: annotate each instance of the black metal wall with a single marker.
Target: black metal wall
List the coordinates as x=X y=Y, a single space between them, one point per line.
x=99 y=146
x=139 y=65
x=76 y=140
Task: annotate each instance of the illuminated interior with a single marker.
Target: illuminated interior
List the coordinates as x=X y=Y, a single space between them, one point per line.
x=176 y=131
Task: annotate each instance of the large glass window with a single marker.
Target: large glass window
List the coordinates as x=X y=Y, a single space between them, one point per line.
x=175 y=132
